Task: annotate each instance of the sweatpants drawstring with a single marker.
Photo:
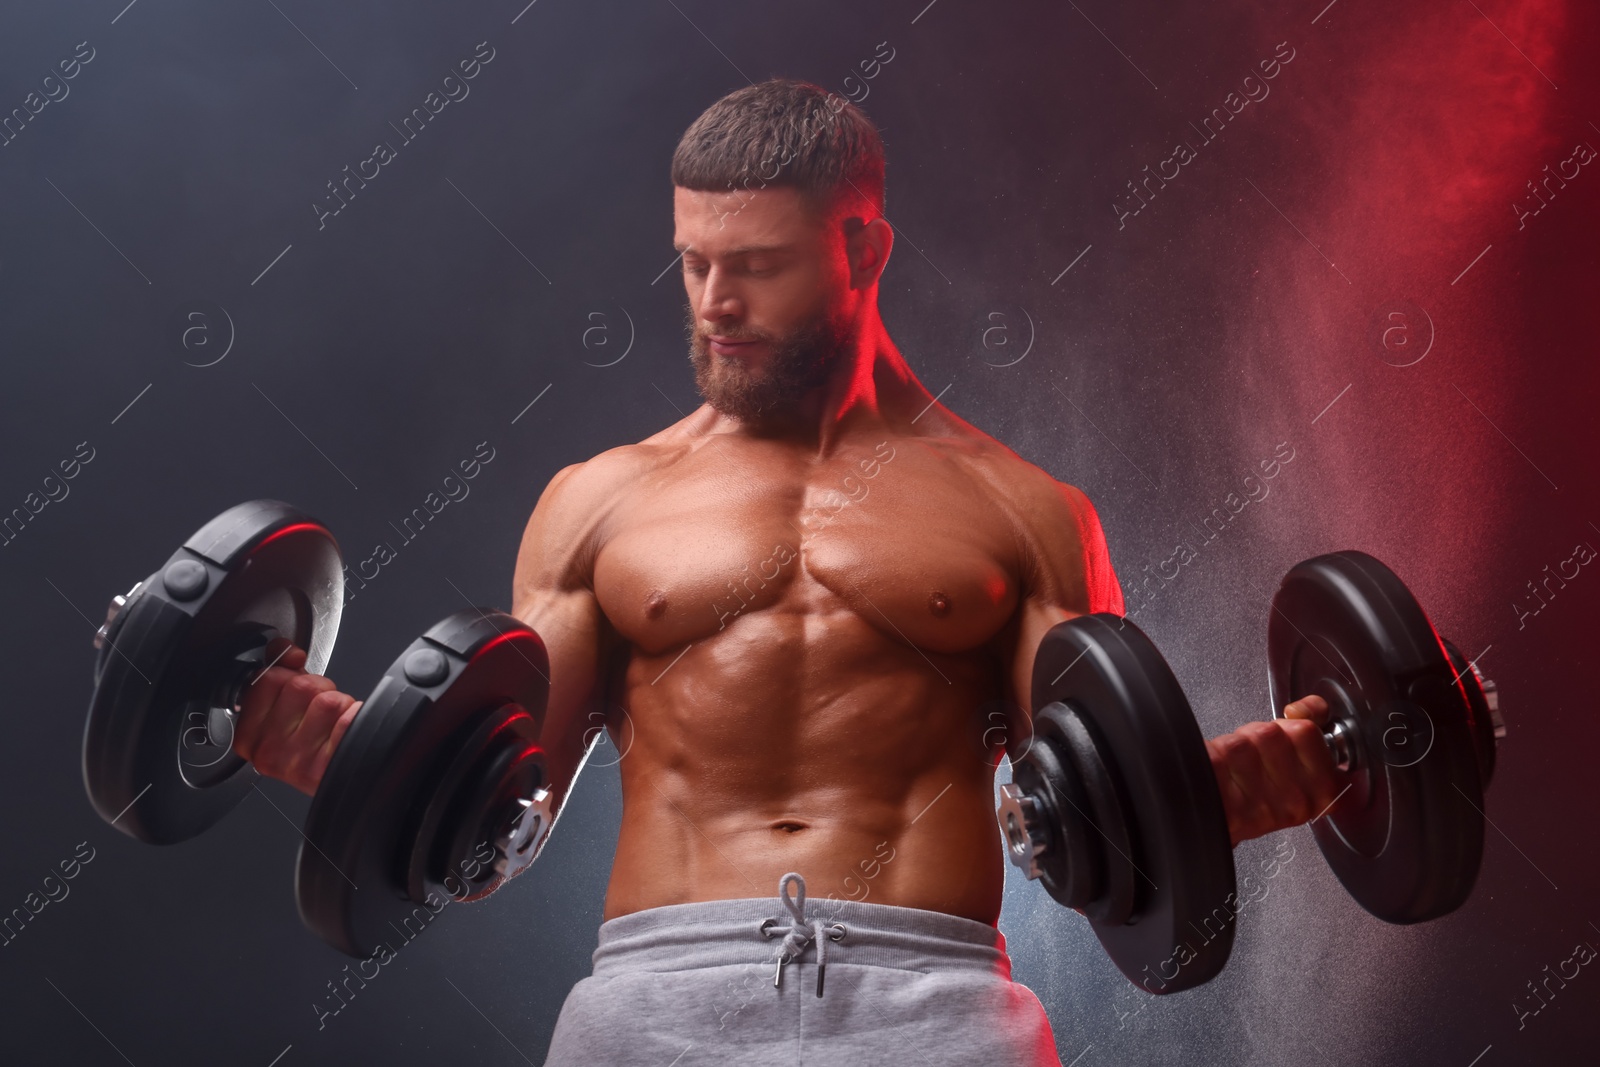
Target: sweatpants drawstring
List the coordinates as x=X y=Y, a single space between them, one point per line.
x=799 y=933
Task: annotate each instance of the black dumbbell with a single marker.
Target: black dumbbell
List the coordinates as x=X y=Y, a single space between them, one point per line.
x=178 y=650
x=438 y=783
x=1115 y=808
x=1413 y=727
x=437 y=790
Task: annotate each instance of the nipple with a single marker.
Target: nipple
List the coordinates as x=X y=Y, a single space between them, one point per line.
x=939 y=604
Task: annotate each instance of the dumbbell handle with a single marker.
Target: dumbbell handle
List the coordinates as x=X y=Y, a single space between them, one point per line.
x=102 y=636
x=1491 y=697
x=1343 y=740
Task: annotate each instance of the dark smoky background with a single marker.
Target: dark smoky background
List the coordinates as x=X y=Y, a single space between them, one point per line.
x=1347 y=264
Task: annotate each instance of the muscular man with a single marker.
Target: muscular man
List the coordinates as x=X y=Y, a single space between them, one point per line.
x=802 y=612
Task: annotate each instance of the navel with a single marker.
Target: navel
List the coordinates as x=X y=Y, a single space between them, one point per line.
x=939 y=604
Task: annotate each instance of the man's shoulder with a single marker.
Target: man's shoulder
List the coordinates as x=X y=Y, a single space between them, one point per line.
x=615 y=467
x=572 y=508
x=573 y=517
x=1014 y=483
x=604 y=474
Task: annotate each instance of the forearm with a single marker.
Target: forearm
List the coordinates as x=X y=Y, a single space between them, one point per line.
x=1277 y=774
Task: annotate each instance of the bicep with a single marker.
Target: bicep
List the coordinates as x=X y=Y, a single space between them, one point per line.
x=1069 y=574
x=571 y=626
x=553 y=593
x=1036 y=617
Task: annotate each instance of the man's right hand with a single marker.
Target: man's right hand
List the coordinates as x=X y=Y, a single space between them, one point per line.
x=290 y=721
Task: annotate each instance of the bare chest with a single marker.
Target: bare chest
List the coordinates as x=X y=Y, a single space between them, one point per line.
x=895 y=535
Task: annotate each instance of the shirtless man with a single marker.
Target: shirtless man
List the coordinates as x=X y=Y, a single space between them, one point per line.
x=810 y=596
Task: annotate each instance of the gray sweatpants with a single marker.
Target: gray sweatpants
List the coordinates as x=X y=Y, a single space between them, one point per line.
x=856 y=983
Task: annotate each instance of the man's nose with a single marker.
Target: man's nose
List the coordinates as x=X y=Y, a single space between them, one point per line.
x=720 y=299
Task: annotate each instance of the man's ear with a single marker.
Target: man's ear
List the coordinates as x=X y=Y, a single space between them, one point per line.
x=868 y=244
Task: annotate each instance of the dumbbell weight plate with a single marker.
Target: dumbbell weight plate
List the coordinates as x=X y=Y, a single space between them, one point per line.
x=1102 y=671
x=440 y=750
x=157 y=757
x=1072 y=866
x=496 y=769
x=1406 y=836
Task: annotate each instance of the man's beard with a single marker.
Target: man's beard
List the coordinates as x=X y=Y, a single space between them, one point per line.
x=791 y=367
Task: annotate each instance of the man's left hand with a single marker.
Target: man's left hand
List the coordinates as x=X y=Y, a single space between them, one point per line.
x=1276 y=774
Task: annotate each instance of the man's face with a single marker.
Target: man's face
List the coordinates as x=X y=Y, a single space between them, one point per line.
x=767 y=317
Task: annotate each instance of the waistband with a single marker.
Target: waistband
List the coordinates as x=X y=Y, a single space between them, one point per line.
x=761 y=930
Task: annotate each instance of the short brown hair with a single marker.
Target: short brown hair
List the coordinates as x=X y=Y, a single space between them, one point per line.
x=785 y=133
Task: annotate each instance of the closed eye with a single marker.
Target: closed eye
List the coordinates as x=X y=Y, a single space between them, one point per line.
x=753 y=272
